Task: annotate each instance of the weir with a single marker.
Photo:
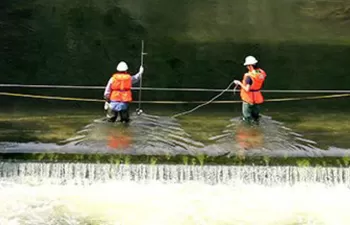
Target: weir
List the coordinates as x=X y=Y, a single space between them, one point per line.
x=79 y=173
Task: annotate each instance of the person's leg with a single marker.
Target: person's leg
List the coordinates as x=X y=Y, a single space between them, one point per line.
x=246 y=111
x=111 y=115
x=255 y=112
x=124 y=116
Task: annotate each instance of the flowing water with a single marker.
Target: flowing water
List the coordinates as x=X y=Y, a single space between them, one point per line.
x=37 y=193
x=149 y=134
x=33 y=193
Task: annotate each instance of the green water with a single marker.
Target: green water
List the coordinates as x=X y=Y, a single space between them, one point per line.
x=323 y=121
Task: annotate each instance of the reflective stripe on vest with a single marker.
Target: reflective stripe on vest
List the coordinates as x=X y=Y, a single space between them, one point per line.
x=121 y=88
x=254 y=96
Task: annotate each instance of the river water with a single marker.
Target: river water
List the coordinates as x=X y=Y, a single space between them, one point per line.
x=149 y=134
x=86 y=193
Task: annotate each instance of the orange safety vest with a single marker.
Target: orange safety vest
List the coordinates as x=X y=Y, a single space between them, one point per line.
x=254 y=96
x=121 y=88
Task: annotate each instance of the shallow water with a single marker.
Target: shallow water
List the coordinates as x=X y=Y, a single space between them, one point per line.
x=149 y=134
x=161 y=135
x=295 y=128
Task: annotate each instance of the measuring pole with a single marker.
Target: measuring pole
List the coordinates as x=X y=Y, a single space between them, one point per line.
x=142 y=54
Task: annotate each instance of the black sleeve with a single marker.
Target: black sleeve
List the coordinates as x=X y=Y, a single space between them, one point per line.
x=248 y=80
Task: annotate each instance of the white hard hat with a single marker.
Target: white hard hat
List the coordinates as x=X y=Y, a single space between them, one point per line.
x=250 y=60
x=122 y=66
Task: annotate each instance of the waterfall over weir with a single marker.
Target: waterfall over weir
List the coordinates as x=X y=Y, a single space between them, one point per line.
x=107 y=194
x=89 y=173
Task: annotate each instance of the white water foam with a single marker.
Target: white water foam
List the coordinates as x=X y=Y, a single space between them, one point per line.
x=132 y=203
x=66 y=194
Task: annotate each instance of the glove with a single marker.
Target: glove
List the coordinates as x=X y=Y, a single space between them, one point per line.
x=106 y=106
x=236 y=82
x=141 y=69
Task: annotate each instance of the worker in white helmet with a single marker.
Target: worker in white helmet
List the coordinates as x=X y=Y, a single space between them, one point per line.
x=250 y=86
x=118 y=93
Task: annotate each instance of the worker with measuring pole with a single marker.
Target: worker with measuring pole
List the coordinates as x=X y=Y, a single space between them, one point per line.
x=118 y=91
x=250 y=86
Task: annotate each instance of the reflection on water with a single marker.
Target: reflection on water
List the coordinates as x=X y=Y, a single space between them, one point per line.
x=249 y=137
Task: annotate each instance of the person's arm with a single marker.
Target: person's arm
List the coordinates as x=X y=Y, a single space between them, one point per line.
x=248 y=82
x=137 y=76
x=107 y=92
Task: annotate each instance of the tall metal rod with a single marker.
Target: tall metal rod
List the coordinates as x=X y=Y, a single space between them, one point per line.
x=142 y=53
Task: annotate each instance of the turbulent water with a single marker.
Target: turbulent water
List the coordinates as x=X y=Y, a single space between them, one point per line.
x=145 y=134
x=269 y=137
x=155 y=203
x=50 y=194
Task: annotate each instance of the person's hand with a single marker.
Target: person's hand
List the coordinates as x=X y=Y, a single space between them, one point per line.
x=236 y=82
x=141 y=69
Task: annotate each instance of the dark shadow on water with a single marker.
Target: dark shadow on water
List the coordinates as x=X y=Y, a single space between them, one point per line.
x=13 y=130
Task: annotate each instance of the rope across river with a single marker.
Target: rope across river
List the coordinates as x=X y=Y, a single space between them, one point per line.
x=330 y=94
